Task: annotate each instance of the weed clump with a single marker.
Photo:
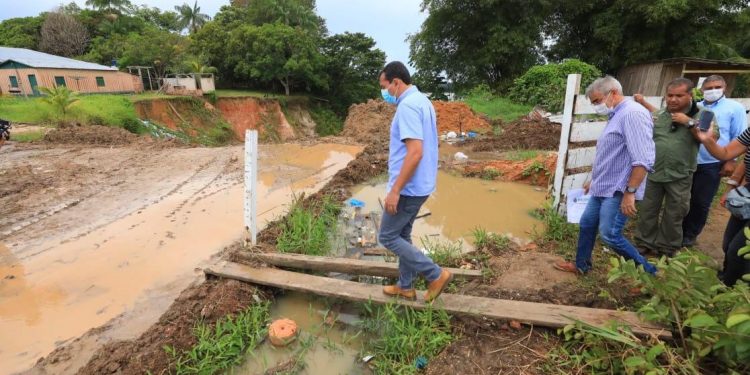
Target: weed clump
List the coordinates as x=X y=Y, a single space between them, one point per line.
x=403 y=334
x=306 y=229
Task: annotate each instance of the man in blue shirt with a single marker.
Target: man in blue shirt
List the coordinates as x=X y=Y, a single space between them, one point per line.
x=732 y=120
x=412 y=174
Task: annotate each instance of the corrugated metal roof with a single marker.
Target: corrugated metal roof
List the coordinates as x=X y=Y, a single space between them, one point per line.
x=37 y=59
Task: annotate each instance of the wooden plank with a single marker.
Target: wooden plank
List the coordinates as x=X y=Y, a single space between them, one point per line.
x=587 y=131
x=584 y=107
x=343 y=265
x=542 y=314
x=574 y=181
x=571 y=90
x=581 y=157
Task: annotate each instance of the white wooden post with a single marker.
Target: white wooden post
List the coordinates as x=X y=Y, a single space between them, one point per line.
x=573 y=86
x=251 y=183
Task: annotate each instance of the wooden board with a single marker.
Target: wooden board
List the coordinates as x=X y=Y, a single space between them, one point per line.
x=584 y=107
x=580 y=157
x=343 y=265
x=571 y=90
x=574 y=181
x=587 y=131
x=542 y=314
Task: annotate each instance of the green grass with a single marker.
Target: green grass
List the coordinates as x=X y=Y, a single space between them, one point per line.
x=28 y=136
x=306 y=230
x=223 y=345
x=402 y=334
x=489 y=240
x=115 y=110
x=496 y=107
x=523 y=155
x=226 y=93
x=444 y=253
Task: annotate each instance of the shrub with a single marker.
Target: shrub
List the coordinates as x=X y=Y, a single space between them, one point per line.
x=327 y=122
x=134 y=126
x=545 y=84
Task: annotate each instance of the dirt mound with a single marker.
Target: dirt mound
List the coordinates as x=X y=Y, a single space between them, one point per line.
x=521 y=135
x=91 y=135
x=535 y=171
x=369 y=122
x=263 y=115
x=457 y=117
x=207 y=302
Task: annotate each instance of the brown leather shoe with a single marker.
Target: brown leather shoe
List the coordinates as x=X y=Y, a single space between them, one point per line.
x=396 y=291
x=567 y=267
x=436 y=287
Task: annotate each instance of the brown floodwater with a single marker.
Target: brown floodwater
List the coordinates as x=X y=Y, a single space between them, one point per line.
x=460 y=205
x=324 y=348
x=57 y=295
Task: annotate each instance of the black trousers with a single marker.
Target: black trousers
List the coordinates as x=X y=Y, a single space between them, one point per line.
x=734 y=239
x=706 y=180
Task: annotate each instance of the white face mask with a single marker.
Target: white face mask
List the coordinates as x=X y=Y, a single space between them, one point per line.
x=713 y=95
x=601 y=108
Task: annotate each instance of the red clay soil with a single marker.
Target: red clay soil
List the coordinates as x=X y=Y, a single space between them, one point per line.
x=521 y=135
x=535 y=171
x=458 y=116
x=255 y=114
x=371 y=121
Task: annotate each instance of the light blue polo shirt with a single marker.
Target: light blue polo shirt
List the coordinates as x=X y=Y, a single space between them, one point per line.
x=732 y=121
x=414 y=119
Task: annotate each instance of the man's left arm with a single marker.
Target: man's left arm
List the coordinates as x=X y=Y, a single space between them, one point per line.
x=638 y=131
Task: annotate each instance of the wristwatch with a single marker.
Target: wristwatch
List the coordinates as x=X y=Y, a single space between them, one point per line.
x=631 y=190
x=691 y=124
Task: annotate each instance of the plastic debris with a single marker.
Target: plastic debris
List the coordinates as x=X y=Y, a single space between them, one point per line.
x=420 y=363
x=460 y=156
x=451 y=135
x=356 y=203
x=368 y=358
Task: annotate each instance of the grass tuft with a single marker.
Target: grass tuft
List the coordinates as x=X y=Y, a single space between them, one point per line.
x=31 y=136
x=443 y=253
x=402 y=334
x=305 y=230
x=223 y=345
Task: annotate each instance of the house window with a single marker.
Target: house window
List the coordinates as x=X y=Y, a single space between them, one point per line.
x=60 y=81
x=100 y=81
x=14 y=82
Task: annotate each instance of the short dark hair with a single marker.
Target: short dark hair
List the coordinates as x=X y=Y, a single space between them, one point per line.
x=714 y=78
x=677 y=82
x=396 y=69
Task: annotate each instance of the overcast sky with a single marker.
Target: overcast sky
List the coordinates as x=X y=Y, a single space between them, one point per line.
x=386 y=21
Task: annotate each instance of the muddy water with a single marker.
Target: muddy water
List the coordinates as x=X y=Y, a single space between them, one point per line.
x=333 y=345
x=53 y=296
x=459 y=205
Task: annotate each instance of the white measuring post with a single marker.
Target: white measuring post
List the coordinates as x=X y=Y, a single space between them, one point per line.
x=251 y=184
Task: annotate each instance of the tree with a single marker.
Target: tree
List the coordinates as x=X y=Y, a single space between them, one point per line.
x=191 y=17
x=154 y=47
x=352 y=64
x=279 y=53
x=63 y=35
x=472 y=42
x=109 y=5
x=613 y=33
x=60 y=98
x=21 y=32
x=167 y=20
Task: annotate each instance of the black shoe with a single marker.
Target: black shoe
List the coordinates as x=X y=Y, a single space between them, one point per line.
x=688 y=242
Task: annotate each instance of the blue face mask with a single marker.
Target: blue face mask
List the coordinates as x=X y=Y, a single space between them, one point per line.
x=390 y=99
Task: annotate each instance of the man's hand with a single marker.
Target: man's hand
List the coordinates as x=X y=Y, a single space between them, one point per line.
x=586 y=187
x=681 y=118
x=628 y=205
x=723 y=199
x=638 y=98
x=728 y=168
x=702 y=136
x=391 y=202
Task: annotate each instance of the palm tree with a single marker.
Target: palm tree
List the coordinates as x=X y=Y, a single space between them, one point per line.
x=191 y=16
x=60 y=98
